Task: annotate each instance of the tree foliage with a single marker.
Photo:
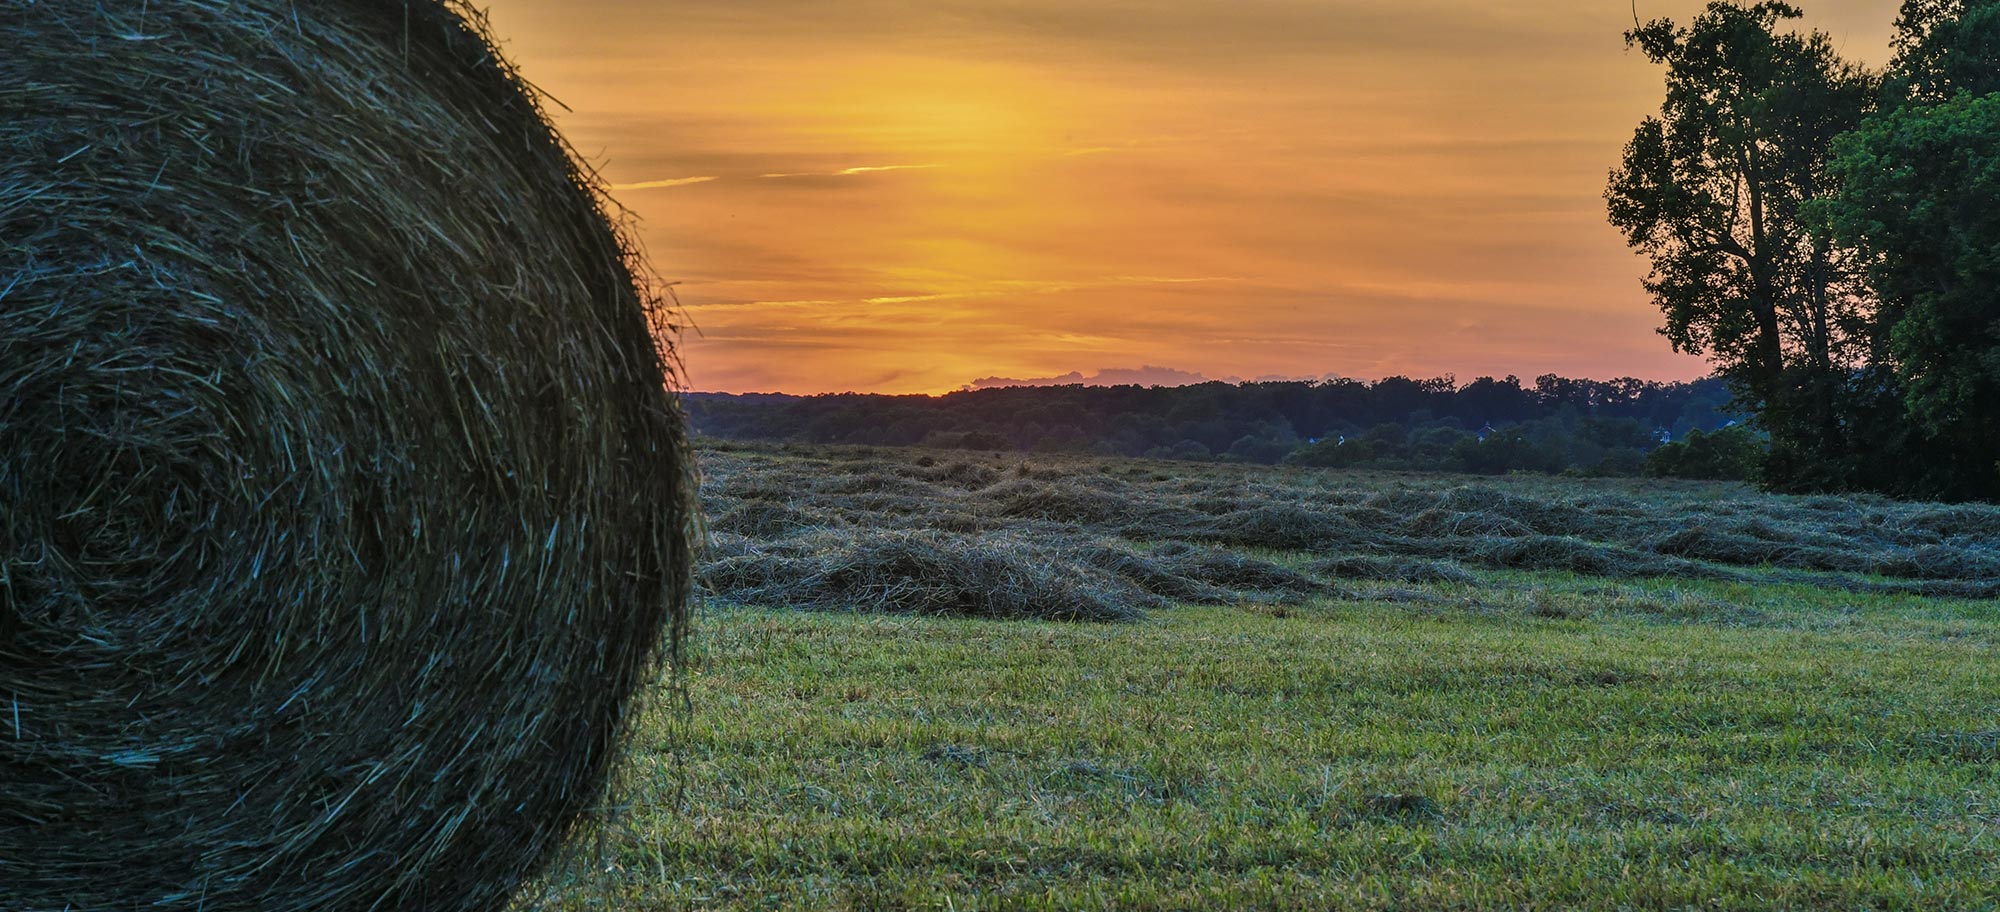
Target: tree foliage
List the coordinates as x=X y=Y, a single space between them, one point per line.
x=1944 y=48
x=1831 y=238
x=1714 y=190
x=1919 y=200
x=1730 y=454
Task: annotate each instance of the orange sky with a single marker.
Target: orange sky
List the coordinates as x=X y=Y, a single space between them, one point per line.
x=909 y=195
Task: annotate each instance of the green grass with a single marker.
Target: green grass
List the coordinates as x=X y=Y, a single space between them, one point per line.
x=1548 y=741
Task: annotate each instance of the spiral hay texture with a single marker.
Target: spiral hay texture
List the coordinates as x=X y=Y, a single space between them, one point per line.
x=343 y=501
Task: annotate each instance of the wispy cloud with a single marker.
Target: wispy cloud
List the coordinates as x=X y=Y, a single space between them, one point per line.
x=867 y=168
x=1020 y=287
x=662 y=184
x=1148 y=375
x=911 y=299
x=864 y=169
x=993 y=290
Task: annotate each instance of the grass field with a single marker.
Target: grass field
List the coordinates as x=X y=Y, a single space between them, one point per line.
x=1341 y=726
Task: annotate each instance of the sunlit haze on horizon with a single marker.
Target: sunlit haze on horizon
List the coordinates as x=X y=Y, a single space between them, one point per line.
x=914 y=195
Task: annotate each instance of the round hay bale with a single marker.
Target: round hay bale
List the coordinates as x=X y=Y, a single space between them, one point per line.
x=344 y=505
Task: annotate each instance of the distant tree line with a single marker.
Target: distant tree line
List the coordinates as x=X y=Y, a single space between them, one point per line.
x=1487 y=426
x=1830 y=237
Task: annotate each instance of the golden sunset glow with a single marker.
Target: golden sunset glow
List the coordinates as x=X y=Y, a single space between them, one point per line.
x=908 y=195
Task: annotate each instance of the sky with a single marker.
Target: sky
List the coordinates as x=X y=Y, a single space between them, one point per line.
x=916 y=196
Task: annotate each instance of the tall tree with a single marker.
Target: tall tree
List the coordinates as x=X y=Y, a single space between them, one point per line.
x=1712 y=191
x=1920 y=200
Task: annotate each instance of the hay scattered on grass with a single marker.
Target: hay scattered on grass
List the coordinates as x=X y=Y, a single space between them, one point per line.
x=1400 y=533
x=1538 y=516
x=1585 y=558
x=1963 y=521
x=765 y=520
x=1059 y=502
x=1976 y=590
x=967 y=476
x=1228 y=570
x=997 y=575
x=343 y=505
x=1439 y=522
x=925 y=573
x=1392 y=569
x=1281 y=526
x=1704 y=543
x=874 y=483
x=1945 y=562
x=1149 y=575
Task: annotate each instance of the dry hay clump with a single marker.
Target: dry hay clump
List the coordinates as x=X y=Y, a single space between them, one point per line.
x=1710 y=543
x=1075 y=503
x=873 y=483
x=1966 y=521
x=1280 y=525
x=1581 y=557
x=1016 y=573
x=962 y=475
x=1181 y=573
x=1543 y=516
x=1440 y=522
x=1942 y=562
x=922 y=572
x=343 y=506
x=1148 y=575
x=1062 y=501
x=764 y=519
x=1232 y=571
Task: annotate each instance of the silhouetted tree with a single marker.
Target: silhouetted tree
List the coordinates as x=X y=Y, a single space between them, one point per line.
x=1920 y=199
x=1712 y=191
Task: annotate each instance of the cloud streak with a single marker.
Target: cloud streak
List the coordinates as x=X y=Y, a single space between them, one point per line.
x=663 y=184
x=989 y=291
x=845 y=172
x=1148 y=375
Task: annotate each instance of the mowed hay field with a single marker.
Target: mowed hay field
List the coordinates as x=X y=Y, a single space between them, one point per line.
x=967 y=681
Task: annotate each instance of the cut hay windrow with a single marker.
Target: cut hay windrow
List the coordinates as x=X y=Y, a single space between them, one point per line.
x=344 y=507
x=1234 y=572
x=1087 y=539
x=927 y=573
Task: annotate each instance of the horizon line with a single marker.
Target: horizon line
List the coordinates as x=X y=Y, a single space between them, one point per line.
x=1459 y=385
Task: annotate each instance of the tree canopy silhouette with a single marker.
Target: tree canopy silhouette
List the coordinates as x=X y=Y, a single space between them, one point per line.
x=1919 y=184
x=1713 y=189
